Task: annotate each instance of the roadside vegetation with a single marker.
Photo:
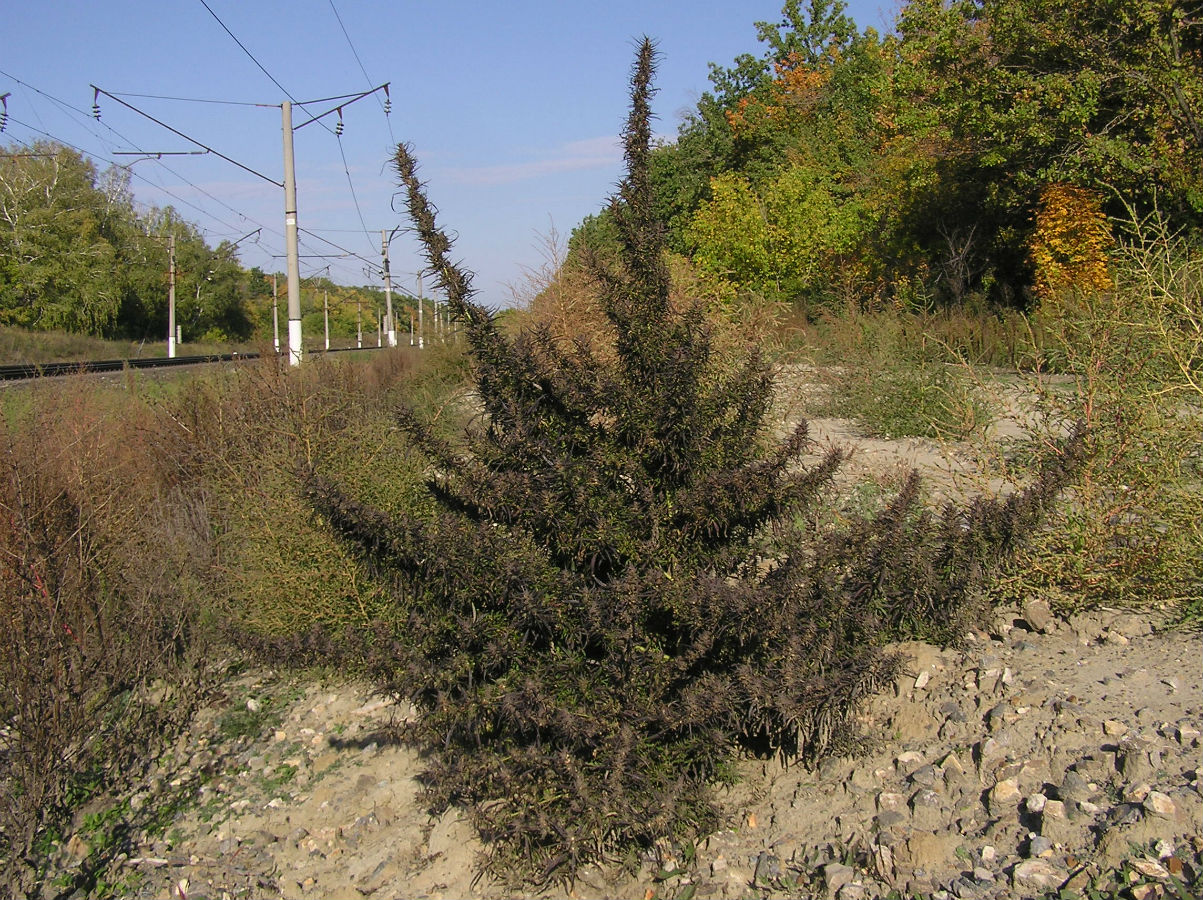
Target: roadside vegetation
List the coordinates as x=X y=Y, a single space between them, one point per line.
x=572 y=538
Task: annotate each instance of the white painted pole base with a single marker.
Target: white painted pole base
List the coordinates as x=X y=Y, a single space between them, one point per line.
x=294 y=342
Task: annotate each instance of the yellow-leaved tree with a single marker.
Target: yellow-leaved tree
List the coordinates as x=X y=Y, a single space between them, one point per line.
x=1070 y=244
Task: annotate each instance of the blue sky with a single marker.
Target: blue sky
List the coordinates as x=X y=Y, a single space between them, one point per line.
x=512 y=109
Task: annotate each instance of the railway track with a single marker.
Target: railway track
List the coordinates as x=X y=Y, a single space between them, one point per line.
x=20 y=371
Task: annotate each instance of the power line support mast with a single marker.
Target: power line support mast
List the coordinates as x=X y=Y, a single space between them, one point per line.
x=290 y=241
x=171 y=296
x=390 y=322
x=276 y=313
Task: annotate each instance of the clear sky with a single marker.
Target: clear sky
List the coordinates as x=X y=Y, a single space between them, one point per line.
x=512 y=109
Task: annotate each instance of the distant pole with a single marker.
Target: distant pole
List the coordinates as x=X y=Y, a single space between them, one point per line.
x=358 y=323
x=290 y=242
x=276 y=314
x=421 y=328
x=390 y=325
x=326 y=307
x=171 y=296
x=378 y=328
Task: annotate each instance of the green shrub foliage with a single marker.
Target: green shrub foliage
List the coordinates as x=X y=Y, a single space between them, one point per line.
x=616 y=593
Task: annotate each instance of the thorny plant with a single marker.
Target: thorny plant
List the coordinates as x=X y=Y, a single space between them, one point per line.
x=613 y=598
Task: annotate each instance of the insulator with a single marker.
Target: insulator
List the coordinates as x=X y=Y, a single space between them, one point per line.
x=3 y=121
x=96 y=104
x=338 y=129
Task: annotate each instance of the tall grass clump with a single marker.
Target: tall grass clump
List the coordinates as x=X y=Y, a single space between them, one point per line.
x=609 y=599
x=1126 y=361
x=250 y=434
x=103 y=559
x=897 y=375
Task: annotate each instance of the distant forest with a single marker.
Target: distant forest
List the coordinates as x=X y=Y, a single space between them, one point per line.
x=77 y=255
x=987 y=152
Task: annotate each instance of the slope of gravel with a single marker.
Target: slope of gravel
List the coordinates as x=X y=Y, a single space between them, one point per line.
x=1043 y=755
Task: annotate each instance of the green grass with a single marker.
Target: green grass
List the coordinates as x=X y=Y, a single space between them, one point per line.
x=20 y=346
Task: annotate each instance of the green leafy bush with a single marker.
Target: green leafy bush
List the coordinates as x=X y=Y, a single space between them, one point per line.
x=248 y=435
x=611 y=597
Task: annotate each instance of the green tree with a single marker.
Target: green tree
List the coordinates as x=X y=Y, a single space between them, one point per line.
x=821 y=31
x=1015 y=95
x=55 y=238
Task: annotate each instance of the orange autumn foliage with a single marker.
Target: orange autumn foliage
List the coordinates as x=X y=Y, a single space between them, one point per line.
x=796 y=88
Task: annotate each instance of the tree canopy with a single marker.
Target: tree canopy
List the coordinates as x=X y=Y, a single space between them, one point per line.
x=844 y=164
x=78 y=255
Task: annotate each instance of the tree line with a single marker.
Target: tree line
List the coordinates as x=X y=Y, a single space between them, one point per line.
x=78 y=255
x=977 y=152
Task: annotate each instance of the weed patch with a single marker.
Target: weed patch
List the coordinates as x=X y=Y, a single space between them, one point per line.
x=897 y=379
x=102 y=558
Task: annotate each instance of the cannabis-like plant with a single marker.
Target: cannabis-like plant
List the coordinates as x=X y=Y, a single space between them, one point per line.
x=593 y=623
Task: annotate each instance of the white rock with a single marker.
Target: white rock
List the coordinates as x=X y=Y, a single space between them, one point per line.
x=1038 y=875
x=1054 y=809
x=1004 y=794
x=889 y=800
x=1150 y=869
x=1160 y=805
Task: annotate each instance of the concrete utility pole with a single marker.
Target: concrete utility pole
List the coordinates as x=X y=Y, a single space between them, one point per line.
x=421 y=327
x=390 y=322
x=276 y=314
x=171 y=296
x=358 y=322
x=295 y=351
x=326 y=308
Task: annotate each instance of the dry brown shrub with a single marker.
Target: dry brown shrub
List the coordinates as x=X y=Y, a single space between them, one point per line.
x=102 y=558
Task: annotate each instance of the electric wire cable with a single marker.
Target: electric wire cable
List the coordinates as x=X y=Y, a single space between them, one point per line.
x=366 y=77
x=87 y=119
x=93 y=156
x=186 y=137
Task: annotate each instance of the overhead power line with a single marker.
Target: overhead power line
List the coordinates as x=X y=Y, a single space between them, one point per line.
x=386 y=103
x=87 y=119
x=186 y=137
x=189 y=99
x=91 y=155
x=248 y=52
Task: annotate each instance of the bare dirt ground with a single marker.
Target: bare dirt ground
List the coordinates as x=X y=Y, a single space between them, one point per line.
x=1043 y=755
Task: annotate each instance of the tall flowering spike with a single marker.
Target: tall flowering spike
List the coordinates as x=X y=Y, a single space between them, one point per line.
x=643 y=296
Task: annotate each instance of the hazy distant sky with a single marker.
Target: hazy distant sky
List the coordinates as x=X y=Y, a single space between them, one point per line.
x=512 y=108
